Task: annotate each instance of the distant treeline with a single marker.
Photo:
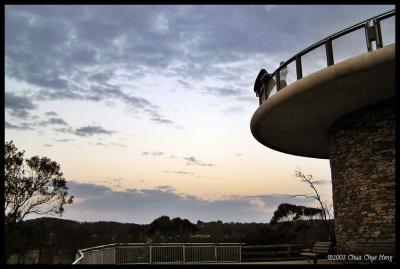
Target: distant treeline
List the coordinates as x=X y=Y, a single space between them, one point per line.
x=57 y=241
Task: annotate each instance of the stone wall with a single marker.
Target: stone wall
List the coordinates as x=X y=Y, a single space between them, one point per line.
x=362 y=158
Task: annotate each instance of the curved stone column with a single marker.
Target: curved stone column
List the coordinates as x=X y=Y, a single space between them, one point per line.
x=362 y=158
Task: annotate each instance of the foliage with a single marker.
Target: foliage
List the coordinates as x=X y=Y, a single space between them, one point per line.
x=164 y=225
x=37 y=187
x=290 y=212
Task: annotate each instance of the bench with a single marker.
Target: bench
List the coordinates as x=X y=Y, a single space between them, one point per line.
x=318 y=250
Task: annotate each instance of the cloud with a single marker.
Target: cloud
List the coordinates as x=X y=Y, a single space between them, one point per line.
x=154 y=153
x=114 y=182
x=107 y=92
x=23 y=127
x=33 y=124
x=86 y=190
x=178 y=172
x=193 y=161
x=157 y=117
x=92 y=130
x=85 y=49
x=270 y=7
x=224 y=92
x=100 y=144
x=109 y=144
x=51 y=113
x=166 y=188
x=53 y=121
x=85 y=131
x=185 y=84
x=48 y=145
x=248 y=99
x=71 y=78
x=64 y=130
x=160 y=24
x=98 y=202
x=135 y=38
x=118 y=145
x=233 y=109
x=161 y=120
x=64 y=140
x=18 y=106
x=90 y=52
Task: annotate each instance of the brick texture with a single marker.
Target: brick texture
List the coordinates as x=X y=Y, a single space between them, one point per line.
x=362 y=158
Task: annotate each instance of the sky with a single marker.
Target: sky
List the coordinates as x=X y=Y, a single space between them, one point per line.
x=147 y=108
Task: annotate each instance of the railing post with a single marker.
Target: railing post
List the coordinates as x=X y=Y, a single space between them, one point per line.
x=368 y=36
x=378 y=34
x=183 y=252
x=115 y=255
x=278 y=80
x=215 y=253
x=150 y=250
x=299 y=69
x=329 y=52
x=240 y=252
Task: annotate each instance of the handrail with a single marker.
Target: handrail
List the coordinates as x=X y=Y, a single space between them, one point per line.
x=82 y=252
x=337 y=35
x=372 y=33
x=275 y=246
x=80 y=258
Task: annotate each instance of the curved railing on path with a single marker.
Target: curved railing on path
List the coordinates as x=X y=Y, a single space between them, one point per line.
x=164 y=253
x=150 y=253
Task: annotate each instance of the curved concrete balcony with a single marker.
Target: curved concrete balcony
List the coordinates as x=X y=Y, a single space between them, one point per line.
x=296 y=119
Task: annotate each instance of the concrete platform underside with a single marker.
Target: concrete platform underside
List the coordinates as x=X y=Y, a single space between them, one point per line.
x=296 y=119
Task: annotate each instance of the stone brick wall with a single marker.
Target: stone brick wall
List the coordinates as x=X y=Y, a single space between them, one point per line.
x=362 y=158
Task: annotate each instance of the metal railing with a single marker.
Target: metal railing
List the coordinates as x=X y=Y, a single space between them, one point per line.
x=142 y=253
x=272 y=83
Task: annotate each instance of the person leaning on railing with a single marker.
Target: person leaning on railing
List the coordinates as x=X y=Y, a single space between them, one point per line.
x=261 y=85
x=259 y=82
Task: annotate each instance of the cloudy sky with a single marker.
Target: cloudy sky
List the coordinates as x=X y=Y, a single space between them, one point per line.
x=147 y=108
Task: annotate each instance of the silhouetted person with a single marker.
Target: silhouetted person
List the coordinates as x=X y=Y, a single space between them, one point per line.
x=263 y=79
x=259 y=82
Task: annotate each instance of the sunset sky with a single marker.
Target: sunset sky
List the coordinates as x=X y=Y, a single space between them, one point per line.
x=147 y=108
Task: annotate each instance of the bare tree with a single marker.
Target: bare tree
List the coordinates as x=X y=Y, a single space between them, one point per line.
x=326 y=211
x=37 y=187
